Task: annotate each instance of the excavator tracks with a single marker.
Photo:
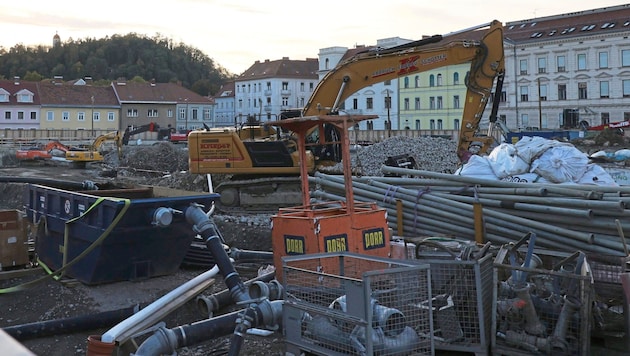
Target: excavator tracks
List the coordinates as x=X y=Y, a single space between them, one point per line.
x=259 y=195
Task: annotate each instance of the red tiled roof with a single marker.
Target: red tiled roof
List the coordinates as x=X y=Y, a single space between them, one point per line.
x=282 y=68
x=76 y=95
x=156 y=92
x=14 y=86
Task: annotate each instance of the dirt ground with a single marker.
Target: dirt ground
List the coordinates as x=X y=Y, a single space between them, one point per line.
x=54 y=300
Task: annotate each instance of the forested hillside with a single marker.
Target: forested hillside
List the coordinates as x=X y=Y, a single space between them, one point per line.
x=129 y=56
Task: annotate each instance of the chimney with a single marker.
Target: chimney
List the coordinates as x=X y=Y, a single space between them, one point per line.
x=16 y=80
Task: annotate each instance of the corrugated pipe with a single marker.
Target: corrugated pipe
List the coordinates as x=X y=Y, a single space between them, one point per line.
x=166 y=341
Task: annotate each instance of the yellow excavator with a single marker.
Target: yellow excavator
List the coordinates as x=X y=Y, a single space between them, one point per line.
x=80 y=158
x=266 y=168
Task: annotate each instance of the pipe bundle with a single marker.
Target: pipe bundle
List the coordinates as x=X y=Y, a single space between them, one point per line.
x=589 y=218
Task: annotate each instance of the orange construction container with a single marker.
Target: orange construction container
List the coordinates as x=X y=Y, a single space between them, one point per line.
x=329 y=227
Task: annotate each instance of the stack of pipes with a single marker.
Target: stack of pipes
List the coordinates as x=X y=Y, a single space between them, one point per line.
x=589 y=218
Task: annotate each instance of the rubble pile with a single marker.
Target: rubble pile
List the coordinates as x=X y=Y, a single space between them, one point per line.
x=435 y=154
x=160 y=157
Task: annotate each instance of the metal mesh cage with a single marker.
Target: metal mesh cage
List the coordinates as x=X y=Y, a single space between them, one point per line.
x=539 y=311
x=462 y=294
x=354 y=304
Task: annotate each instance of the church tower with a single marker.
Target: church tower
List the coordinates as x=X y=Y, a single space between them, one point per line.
x=56 y=40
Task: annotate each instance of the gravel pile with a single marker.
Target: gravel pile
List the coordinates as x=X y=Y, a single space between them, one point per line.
x=435 y=154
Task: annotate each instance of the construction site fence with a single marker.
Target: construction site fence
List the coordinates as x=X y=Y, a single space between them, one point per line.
x=9 y=136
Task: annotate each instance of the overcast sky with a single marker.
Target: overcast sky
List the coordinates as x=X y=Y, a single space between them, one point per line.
x=236 y=33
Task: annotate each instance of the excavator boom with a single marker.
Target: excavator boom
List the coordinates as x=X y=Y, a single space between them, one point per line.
x=483 y=49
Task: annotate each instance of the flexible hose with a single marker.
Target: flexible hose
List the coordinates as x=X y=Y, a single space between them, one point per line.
x=69 y=325
x=61 y=184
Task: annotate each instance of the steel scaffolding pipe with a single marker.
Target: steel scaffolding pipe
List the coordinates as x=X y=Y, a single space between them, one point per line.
x=507 y=229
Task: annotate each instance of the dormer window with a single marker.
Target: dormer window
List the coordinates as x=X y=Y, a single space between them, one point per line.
x=4 y=96
x=24 y=96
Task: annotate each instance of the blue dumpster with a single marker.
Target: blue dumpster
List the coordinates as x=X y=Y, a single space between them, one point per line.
x=112 y=235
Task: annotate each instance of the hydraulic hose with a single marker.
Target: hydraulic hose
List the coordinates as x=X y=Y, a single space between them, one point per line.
x=61 y=184
x=69 y=325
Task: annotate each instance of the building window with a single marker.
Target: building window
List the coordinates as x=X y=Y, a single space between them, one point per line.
x=25 y=98
x=406 y=104
x=626 y=88
x=440 y=125
x=355 y=104
x=523 y=66
x=302 y=88
x=562 y=92
x=416 y=81
x=542 y=65
x=431 y=80
x=524 y=93
x=544 y=122
x=20 y=115
x=388 y=102
x=285 y=101
x=561 y=63
x=432 y=103
x=152 y=113
x=543 y=92
x=33 y=115
x=206 y=114
x=416 y=105
x=182 y=114
x=431 y=124
x=111 y=116
x=581 y=61
x=132 y=112
x=605 y=118
x=4 y=97
x=285 y=85
x=625 y=58
x=81 y=116
x=582 y=93
x=455 y=78
x=50 y=115
x=456 y=124
x=417 y=124
x=604 y=88
x=268 y=85
x=603 y=59
x=524 y=120
x=406 y=82
x=456 y=102
x=96 y=116
x=439 y=102
x=169 y=113
x=439 y=80
x=369 y=103
x=195 y=114
x=65 y=116
x=311 y=86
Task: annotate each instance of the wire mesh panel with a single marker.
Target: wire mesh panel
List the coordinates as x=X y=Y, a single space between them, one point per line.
x=347 y=303
x=539 y=311
x=610 y=302
x=462 y=303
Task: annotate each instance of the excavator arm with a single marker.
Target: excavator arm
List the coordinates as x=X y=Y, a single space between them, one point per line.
x=482 y=48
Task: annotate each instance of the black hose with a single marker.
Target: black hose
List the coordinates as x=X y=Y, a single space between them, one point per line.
x=209 y=233
x=69 y=325
x=60 y=184
x=204 y=330
x=250 y=255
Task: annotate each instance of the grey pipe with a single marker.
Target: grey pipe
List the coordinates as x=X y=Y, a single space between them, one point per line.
x=166 y=341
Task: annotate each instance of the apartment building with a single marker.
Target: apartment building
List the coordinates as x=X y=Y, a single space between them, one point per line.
x=223 y=101
x=267 y=88
x=20 y=104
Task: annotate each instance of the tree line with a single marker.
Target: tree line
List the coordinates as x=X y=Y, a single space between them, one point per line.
x=131 y=56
